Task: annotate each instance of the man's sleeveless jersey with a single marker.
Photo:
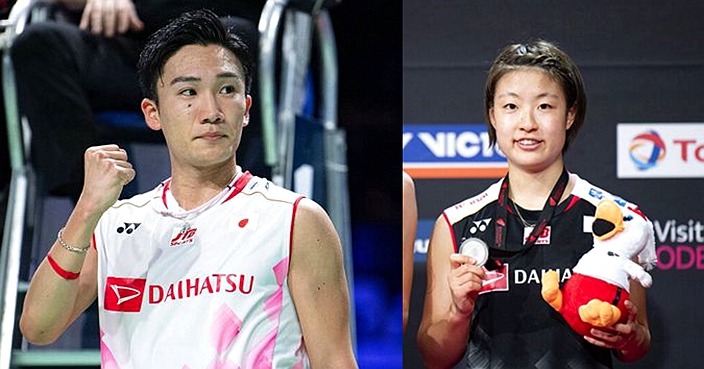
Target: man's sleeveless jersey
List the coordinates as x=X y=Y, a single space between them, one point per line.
x=205 y=288
x=512 y=326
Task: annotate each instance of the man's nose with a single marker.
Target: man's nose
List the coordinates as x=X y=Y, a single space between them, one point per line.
x=212 y=112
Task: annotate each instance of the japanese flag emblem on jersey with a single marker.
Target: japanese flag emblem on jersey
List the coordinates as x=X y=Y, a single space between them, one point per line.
x=246 y=222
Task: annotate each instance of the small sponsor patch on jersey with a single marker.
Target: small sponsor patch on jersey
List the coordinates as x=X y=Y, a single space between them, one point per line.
x=543 y=239
x=183 y=236
x=495 y=280
x=124 y=294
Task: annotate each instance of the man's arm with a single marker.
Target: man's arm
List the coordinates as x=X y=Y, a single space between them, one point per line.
x=452 y=287
x=56 y=297
x=410 y=223
x=319 y=289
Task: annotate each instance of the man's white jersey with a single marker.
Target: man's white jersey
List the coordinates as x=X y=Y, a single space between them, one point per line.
x=199 y=289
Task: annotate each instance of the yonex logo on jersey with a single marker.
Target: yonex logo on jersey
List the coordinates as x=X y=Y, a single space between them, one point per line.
x=124 y=294
x=128 y=228
x=479 y=225
x=183 y=237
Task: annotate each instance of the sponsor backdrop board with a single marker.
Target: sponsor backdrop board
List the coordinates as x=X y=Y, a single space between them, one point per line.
x=643 y=138
x=660 y=150
x=450 y=151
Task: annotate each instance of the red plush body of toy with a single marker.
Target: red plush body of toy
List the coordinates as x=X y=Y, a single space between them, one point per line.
x=579 y=290
x=595 y=295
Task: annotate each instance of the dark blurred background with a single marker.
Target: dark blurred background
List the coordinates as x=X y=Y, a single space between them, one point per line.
x=368 y=34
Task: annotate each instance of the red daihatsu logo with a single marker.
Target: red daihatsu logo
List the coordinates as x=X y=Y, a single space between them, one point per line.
x=495 y=280
x=124 y=294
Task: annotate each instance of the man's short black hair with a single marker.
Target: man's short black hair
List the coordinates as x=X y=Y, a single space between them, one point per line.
x=198 y=27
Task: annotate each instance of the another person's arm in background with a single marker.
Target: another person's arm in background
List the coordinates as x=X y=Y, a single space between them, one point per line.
x=410 y=223
x=453 y=285
x=106 y=17
x=319 y=288
x=56 y=296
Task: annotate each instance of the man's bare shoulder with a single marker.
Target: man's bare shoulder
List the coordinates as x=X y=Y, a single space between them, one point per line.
x=311 y=217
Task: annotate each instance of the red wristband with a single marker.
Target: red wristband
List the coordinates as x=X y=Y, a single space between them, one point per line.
x=65 y=274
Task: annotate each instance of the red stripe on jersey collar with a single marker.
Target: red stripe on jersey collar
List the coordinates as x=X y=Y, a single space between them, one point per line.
x=239 y=185
x=236 y=188
x=163 y=193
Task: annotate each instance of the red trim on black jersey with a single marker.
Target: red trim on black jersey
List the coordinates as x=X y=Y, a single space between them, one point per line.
x=636 y=210
x=293 y=221
x=573 y=200
x=452 y=232
x=238 y=186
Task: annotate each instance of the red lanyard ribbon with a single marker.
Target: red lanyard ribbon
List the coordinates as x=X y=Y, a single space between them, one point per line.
x=543 y=220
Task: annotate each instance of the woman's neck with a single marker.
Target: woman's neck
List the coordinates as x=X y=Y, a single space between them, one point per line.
x=530 y=190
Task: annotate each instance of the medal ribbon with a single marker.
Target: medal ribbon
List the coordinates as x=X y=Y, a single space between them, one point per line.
x=543 y=220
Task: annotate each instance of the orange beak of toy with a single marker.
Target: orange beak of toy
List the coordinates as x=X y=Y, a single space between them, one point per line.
x=608 y=220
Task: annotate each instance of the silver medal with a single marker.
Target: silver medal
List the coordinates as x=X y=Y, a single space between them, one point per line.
x=476 y=249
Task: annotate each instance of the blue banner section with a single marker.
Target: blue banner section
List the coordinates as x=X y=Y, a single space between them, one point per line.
x=423 y=232
x=448 y=143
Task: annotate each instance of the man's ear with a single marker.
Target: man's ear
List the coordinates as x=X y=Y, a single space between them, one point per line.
x=248 y=105
x=151 y=114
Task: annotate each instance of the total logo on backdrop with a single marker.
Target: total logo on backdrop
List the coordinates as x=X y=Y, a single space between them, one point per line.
x=451 y=151
x=660 y=150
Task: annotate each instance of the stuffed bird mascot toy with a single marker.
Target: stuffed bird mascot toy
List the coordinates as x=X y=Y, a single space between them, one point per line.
x=594 y=296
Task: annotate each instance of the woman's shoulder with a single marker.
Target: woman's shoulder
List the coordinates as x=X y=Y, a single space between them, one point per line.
x=595 y=194
x=473 y=204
